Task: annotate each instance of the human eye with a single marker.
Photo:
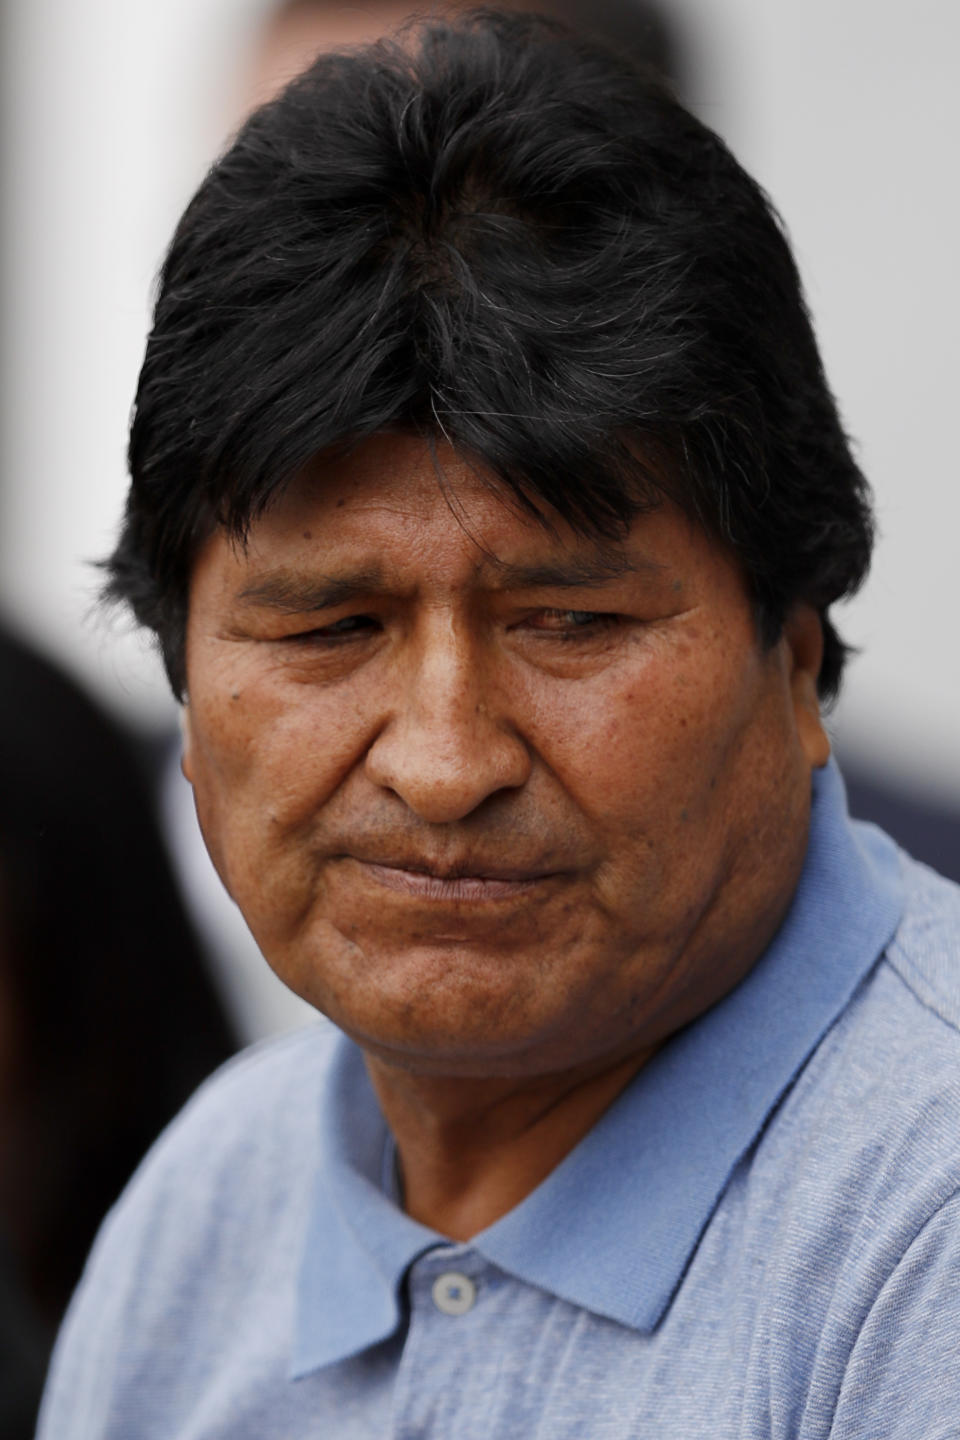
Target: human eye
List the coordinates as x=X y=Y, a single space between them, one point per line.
x=572 y=624
x=338 y=632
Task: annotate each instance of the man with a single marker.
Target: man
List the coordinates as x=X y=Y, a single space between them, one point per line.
x=488 y=502
x=292 y=34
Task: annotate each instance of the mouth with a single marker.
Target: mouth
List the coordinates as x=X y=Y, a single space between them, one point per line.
x=469 y=882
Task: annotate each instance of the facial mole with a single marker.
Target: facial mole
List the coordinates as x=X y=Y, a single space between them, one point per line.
x=308 y=535
x=677 y=586
x=684 y=815
x=235 y=695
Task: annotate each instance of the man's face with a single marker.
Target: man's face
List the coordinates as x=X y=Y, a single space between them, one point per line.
x=496 y=800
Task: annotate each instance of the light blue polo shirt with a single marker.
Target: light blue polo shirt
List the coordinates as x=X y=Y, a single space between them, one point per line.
x=760 y=1238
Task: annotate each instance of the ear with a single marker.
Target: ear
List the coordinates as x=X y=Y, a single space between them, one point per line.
x=803 y=637
x=186 y=737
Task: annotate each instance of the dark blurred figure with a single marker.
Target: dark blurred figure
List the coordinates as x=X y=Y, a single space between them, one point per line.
x=107 y=1019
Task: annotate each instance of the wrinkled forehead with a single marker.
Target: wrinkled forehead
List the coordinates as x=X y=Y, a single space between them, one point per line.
x=399 y=514
x=417 y=491
x=408 y=468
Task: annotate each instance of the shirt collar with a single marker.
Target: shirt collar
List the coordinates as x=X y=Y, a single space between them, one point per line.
x=612 y=1229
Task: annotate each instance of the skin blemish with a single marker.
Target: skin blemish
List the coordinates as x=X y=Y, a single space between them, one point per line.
x=235 y=695
x=308 y=534
x=677 y=586
x=684 y=816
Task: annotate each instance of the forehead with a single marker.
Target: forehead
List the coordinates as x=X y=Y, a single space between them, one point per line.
x=415 y=502
x=407 y=514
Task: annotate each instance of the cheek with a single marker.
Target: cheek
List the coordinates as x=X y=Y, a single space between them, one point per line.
x=663 y=733
x=264 y=758
x=273 y=737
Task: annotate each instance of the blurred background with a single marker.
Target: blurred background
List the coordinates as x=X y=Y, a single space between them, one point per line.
x=847 y=111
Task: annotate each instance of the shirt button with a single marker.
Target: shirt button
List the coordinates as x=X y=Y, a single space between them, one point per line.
x=453 y=1293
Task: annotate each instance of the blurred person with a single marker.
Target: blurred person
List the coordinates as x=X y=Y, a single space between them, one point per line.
x=489 y=504
x=107 y=1022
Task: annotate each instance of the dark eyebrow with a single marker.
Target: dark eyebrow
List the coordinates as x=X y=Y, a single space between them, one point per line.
x=297 y=594
x=594 y=568
x=300 y=594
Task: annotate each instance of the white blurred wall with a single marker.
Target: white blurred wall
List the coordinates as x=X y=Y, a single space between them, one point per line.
x=113 y=108
x=848 y=111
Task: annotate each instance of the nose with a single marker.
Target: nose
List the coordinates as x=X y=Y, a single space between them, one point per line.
x=448 y=743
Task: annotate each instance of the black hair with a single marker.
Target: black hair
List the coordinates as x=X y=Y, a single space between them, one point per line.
x=492 y=231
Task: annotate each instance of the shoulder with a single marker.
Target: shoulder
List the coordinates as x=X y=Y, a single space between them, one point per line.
x=254 y=1117
x=864 y=1150
x=276 y=1080
x=199 y=1257
x=901 y=1035
x=245 y=1143
x=866 y=1141
x=889 y=1070
x=925 y=952
x=850 y=1201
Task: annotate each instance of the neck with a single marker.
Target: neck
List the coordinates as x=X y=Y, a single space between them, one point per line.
x=472 y=1149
